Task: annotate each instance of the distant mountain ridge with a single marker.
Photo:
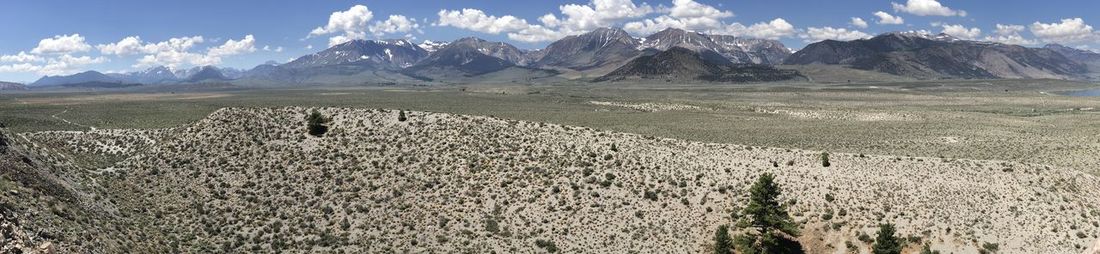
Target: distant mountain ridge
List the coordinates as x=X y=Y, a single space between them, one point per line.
x=736 y=49
x=12 y=86
x=379 y=54
x=600 y=52
x=1080 y=55
x=939 y=56
x=83 y=77
x=684 y=64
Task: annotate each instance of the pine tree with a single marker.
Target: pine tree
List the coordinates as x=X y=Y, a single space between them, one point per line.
x=886 y=242
x=401 y=116
x=766 y=214
x=722 y=244
x=825 y=160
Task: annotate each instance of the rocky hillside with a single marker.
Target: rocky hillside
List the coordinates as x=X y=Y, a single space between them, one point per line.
x=735 y=49
x=1079 y=55
x=939 y=56
x=382 y=54
x=11 y=86
x=253 y=180
x=682 y=64
x=83 y=77
x=501 y=50
x=602 y=47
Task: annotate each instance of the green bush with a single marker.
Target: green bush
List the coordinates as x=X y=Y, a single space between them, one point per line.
x=316 y=123
x=825 y=159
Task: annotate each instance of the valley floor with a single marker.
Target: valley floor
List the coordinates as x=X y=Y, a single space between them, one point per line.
x=963 y=166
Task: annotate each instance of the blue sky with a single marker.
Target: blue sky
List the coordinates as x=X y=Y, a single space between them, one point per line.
x=51 y=37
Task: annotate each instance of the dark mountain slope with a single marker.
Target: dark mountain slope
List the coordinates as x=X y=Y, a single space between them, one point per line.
x=682 y=64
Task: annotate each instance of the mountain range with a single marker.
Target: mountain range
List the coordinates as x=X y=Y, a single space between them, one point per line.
x=11 y=86
x=679 y=63
x=927 y=56
x=608 y=54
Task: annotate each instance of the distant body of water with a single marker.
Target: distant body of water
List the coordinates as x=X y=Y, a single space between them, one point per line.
x=1093 y=92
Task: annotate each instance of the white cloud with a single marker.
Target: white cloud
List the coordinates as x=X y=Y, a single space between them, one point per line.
x=62 y=44
x=351 y=24
x=395 y=24
x=134 y=45
x=887 y=19
x=694 y=16
x=1068 y=31
x=775 y=29
x=176 y=52
x=684 y=14
x=597 y=13
x=176 y=59
x=477 y=20
x=1010 y=34
x=927 y=8
x=234 y=47
x=858 y=22
x=962 y=32
x=21 y=57
x=60 y=65
x=815 y=34
x=275 y=49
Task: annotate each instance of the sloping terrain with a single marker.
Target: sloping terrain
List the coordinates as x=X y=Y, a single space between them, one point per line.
x=12 y=86
x=682 y=64
x=932 y=57
x=735 y=49
x=251 y=179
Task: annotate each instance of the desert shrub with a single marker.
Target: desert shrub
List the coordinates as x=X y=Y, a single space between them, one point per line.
x=401 y=116
x=829 y=197
x=825 y=159
x=548 y=245
x=651 y=195
x=886 y=242
x=722 y=243
x=990 y=247
x=316 y=123
x=927 y=249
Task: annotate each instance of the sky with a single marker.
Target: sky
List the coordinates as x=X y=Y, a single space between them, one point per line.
x=60 y=37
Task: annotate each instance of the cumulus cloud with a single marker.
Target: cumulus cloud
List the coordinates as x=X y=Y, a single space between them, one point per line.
x=927 y=8
x=858 y=22
x=684 y=14
x=60 y=65
x=887 y=19
x=694 y=16
x=1072 y=30
x=1010 y=34
x=597 y=13
x=274 y=49
x=176 y=52
x=815 y=34
x=62 y=44
x=234 y=47
x=477 y=20
x=133 y=45
x=351 y=24
x=394 y=24
x=775 y=29
x=355 y=24
x=21 y=57
x=961 y=31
